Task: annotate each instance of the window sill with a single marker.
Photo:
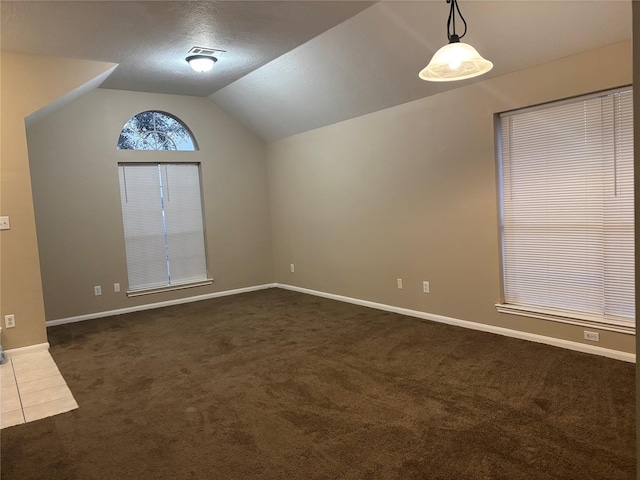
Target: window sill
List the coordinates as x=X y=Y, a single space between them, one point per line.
x=170 y=288
x=610 y=325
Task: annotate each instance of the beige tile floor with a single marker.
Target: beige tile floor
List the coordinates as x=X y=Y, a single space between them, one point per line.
x=32 y=388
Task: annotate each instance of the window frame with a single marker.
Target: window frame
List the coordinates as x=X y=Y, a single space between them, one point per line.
x=538 y=312
x=183 y=126
x=207 y=280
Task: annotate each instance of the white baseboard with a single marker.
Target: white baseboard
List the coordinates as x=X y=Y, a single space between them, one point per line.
x=507 y=332
x=39 y=347
x=149 y=306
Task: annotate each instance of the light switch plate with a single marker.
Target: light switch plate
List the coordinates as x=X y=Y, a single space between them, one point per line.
x=4 y=223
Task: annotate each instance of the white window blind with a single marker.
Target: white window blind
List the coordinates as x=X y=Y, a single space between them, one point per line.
x=162 y=217
x=567 y=209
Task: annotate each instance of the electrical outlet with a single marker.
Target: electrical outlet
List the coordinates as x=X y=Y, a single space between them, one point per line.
x=5 y=224
x=97 y=290
x=399 y=283
x=425 y=287
x=292 y=268
x=10 y=321
x=592 y=336
x=116 y=287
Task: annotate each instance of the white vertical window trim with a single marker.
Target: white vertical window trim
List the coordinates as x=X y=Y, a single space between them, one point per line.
x=162 y=218
x=567 y=211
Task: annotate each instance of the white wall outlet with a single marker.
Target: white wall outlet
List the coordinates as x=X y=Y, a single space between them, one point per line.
x=97 y=290
x=5 y=224
x=292 y=268
x=592 y=336
x=116 y=287
x=425 y=287
x=399 y=281
x=10 y=321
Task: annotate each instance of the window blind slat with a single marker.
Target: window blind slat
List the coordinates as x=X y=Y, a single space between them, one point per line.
x=143 y=226
x=567 y=207
x=163 y=224
x=183 y=214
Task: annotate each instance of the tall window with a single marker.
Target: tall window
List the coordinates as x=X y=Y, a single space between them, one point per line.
x=162 y=216
x=567 y=211
x=155 y=131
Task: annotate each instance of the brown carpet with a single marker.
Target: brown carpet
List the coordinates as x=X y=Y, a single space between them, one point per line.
x=279 y=385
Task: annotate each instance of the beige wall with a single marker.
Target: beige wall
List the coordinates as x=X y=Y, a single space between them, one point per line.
x=28 y=83
x=410 y=192
x=74 y=162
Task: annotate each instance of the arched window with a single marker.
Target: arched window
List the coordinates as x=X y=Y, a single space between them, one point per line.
x=154 y=130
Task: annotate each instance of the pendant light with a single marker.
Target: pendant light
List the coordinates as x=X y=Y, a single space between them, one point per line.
x=201 y=63
x=456 y=60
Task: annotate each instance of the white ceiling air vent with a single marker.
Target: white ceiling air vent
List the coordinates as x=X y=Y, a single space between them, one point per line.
x=209 y=52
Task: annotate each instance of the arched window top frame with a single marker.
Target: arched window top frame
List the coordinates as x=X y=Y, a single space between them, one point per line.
x=156 y=130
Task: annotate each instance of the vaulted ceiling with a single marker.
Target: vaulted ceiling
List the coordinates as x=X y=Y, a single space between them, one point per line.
x=291 y=66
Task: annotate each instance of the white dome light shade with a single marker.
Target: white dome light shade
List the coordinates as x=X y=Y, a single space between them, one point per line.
x=201 y=63
x=455 y=61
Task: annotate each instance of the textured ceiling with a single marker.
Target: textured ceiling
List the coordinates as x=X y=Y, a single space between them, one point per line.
x=150 y=39
x=293 y=66
x=372 y=60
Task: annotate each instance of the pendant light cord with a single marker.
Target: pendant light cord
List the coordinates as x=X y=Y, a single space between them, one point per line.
x=452 y=22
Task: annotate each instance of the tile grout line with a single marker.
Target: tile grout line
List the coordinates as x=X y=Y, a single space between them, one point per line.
x=50 y=401
x=15 y=378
